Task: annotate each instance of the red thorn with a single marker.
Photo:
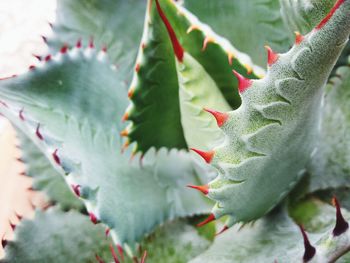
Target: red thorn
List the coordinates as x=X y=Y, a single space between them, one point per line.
x=44 y=39
x=206 y=41
x=21 y=116
x=341 y=225
x=38 y=134
x=272 y=57
x=31 y=67
x=121 y=252
x=104 y=49
x=143 y=45
x=124 y=133
x=99 y=260
x=91 y=43
x=107 y=231
x=207 y=156
x=131 y=93
x=220 y=117
x=37 y=57
x=64 y=49
x=203 y=188
x=210 y=218
x=125 y=117
x=55 y=157
x=310 y=251
x=137 y=67
x=48 y=58
x=93 y=218
x=76 y=189
x=178 y=50
x=78 y=44
x=13 y=226
x=330 y=14
x=3 y=242
x=243 y=83
x=143 y=260
x=222 y=230
x=115 y=257
x=298 y=38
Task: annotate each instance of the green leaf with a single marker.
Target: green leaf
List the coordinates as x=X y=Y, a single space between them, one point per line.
x=269 y=140
x=154 y=91
x=46 y=178
x=276 y=238
x=249 y=25
x=78 y=99
x=330 y=166
x=116 y=24
x=174 y=242
x=57 y=236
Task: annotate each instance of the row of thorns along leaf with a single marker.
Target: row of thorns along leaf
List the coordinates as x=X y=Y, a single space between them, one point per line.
x=341 y=225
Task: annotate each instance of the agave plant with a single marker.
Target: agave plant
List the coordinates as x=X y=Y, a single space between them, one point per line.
x=274 y=142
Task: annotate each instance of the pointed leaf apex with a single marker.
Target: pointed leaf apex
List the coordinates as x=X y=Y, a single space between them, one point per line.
x=309 y=251
x=207 y=156
x=298 y=38
x=341 y=224
x=330 y=14
x=178 y=49
x=272 y=57
x=203 y=188
x=222 y=230
x=243 y=83
x=221 y=117
x=209 y=219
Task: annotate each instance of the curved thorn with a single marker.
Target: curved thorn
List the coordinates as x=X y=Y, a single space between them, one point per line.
x=207 y=156
x=143 y=260
x=115 y=257
x=203 y=188
x=76 y=189
x=3 y=242
x=222 y=230
x=78 y=44
x=210 y=218
x=220 y=117
x=93 y=218
x=309 y=251
x=243 y=83
x=56 y=158
x=37 y=132
x=298 y=37
x=21 y=116
x=341 y=225
x=13 y=226
x=272 y=57
x=107 y=231
x=64 y=49
x=48 y=58
x=178 y=49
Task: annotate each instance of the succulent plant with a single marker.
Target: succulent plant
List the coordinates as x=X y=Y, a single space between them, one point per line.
x=274 y=142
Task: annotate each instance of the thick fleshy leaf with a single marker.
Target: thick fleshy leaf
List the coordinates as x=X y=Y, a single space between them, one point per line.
x=56 y=236
x=116 y=24
x=77 y=98
x=270 y=138
x=154 y=91
x=330 y=166
x=249 y=25
x=45 y=177
x=276 y=238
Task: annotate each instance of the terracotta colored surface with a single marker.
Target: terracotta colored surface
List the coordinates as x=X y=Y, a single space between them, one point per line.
x=22 y=23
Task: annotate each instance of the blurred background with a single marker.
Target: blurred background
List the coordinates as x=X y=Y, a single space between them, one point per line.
x=22 y=25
